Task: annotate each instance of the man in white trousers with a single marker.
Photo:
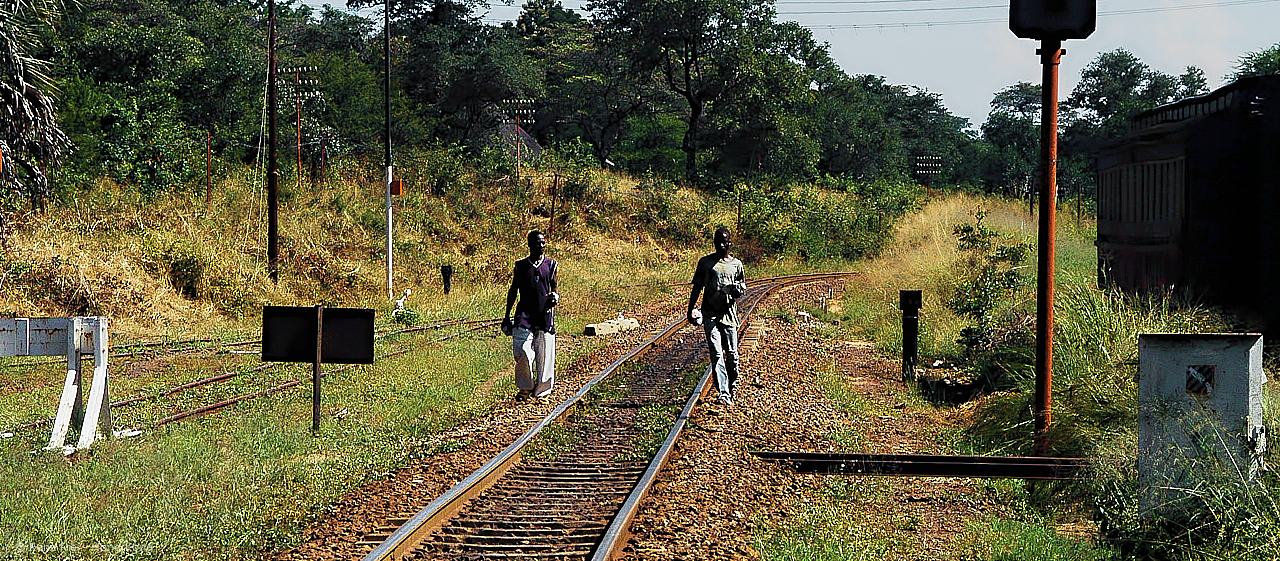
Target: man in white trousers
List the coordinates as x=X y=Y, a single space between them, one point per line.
x=533 y=329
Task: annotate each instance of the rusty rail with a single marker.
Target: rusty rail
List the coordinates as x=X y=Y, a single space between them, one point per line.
x=924 y=465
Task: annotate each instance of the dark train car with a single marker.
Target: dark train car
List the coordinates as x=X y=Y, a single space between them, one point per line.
x=1190 y=199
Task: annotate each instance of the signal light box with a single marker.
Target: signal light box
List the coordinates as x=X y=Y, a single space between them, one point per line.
x=1053 y=19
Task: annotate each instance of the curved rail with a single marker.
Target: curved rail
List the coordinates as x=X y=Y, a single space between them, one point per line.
x=412 y=533
x=618 y=533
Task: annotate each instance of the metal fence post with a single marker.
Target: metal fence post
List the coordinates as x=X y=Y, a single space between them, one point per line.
x=315 y=373
x=909 y=302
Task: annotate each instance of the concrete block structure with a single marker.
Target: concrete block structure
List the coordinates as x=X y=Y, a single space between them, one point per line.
x=1200 y=412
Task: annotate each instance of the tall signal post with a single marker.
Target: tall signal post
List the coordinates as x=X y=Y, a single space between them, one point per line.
x=519 y=107
x=273 y=171
x=1050 y=22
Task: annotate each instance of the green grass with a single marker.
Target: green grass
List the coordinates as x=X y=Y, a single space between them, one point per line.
x=997 y=539
x=244 y=481
x=554 y=440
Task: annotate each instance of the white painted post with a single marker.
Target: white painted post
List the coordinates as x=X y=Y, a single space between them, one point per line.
x=70 y=337
x=98 y=413
x=69 y=407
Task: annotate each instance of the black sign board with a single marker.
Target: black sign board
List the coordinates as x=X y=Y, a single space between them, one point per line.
x=1053 y=19
x=289 y=335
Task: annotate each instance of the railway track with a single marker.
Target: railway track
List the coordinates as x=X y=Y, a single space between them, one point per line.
x=609 y=442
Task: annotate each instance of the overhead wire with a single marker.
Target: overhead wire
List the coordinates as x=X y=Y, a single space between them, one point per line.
x=800 y=12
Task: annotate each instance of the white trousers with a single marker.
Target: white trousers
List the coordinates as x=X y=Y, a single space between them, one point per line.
x=535 y=360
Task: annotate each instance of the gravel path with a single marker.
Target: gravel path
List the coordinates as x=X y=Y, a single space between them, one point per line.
x=714 y=498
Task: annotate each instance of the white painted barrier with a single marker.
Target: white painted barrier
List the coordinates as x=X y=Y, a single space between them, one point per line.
x=70 y=337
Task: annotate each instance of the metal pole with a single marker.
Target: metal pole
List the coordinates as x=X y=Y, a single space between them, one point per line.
x=517 y=135
x=739 y=193
x=1050 y=55
x=297 y=111
x=208 y=171
x=386 y=105
x=555 y=194
x=910 y=301
x=273 y=171
x=315 y=372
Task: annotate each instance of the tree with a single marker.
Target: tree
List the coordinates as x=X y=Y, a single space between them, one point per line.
x=857 y=137
x=146 y=80
x=591 y=90
x=1116 y=86
x=1262 y=62
x=30 y=137
x=1013 y=131
x=698 y=48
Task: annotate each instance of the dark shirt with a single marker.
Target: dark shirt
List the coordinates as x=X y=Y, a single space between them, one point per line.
x=534 y=284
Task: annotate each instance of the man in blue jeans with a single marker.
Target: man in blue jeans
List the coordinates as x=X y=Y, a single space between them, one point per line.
x=721 y=279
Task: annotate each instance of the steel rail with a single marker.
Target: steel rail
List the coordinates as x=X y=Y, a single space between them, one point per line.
x=417 y=528
x=925 y=465
x=618 y=533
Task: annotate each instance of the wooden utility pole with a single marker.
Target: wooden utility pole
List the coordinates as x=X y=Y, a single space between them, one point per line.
x=386 y=120
x=273 y=171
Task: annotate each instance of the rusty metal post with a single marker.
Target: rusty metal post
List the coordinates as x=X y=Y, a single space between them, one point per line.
x=909 y=301
x=315 y=372
x=1050 y=55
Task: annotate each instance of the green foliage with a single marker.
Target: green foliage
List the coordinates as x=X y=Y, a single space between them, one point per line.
x=1210 y=511
x=819 y=222
x=987 y=278
x=650 y=144
x=1117 y=85
x=1015 y=540
x=1261 y=62
x=552 y=441
x=1013 y=131
x=31 y=139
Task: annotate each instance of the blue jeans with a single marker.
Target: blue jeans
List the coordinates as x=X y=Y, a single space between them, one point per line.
x=722 y=342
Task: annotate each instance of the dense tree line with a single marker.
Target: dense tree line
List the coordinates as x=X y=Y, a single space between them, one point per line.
x=707 y=91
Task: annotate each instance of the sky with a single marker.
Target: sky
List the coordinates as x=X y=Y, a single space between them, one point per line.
x=920 y=43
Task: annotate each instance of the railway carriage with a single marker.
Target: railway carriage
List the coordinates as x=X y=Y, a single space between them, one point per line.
x=1189 y=199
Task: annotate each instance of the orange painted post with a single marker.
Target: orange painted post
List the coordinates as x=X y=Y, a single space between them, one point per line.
x=1050 y=56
